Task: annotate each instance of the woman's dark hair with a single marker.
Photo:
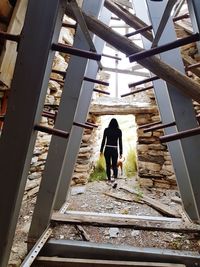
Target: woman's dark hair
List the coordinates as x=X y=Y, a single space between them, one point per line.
x=13 y=2
x=113 y=124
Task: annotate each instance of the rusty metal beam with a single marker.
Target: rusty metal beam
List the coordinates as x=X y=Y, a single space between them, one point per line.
x=137 y=91
x=151 y=79
x=180 y=135
x=53 y=131
x=75 y=51
x=159 y=127
x=101 y=91
x=163 y=48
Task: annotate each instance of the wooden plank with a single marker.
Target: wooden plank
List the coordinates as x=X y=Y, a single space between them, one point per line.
x=111 y=221
x=126 y=216
x=82 y=232
x=119 y=197
x=153 y=63
x=176 y=200
x=55 y=261
x=8 y=58
x=5 y=9
x=164 y=209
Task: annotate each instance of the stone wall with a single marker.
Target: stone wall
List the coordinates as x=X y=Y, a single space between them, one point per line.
x=153 y=159
x=154 y=166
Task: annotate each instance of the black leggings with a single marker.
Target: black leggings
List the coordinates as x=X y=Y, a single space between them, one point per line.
x=111 y=155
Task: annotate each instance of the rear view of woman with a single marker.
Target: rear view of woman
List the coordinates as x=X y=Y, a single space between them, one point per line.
x=112 y=141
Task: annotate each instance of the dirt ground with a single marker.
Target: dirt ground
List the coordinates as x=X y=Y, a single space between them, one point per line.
x=92 y=198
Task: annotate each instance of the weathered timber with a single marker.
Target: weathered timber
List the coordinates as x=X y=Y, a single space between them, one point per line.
x=72 y=262
x=164 y=209
x=135 y=217
x=129 y=18
x=155 y=65
x=120 y=109
x=8 y=57
x=119 y=197
x=190 y=61
x=5 y=10
x=176 y=200
x=82 y=232
x=101 y=220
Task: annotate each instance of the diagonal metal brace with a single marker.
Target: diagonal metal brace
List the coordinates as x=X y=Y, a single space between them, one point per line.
x=81 y=21
x=163 y=22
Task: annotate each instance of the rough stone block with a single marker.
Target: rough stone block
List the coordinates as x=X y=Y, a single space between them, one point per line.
x=145 y=182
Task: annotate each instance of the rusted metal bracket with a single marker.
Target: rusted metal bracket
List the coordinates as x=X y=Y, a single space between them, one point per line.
x=154 y=78
x=163 y=48
x=180 y=135
x=53 y=131
x=159 y=127
x=75 y=51
x=137 y=91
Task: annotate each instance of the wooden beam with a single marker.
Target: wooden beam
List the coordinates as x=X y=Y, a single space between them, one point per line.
x=127 y=17
x=100 y=220
x=5 y=9
x=153 y=64
x=164 y=209
x=72 y=262
x=8 y=57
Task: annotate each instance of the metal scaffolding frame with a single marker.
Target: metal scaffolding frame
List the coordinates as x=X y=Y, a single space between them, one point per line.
x=174 y=106
x=28 y=91
x=72 y=97
x=40 y=36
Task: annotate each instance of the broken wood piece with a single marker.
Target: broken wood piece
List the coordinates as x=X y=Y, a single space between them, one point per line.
x=184 y=216
x=32 y=192
x=186 y=85
x=75 y=262
x=123 y=221
x=82 y=232
x=164 y=209
x=129 y=199
x=176 y=200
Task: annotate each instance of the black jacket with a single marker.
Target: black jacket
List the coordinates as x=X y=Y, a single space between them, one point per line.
x=112 y=136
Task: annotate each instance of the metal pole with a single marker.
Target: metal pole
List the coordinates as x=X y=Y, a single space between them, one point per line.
x=81 y=115
x=41 y=28
x=174 y=106
x=64 y=121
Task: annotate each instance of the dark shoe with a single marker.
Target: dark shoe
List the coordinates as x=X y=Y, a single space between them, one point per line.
x=114 y=185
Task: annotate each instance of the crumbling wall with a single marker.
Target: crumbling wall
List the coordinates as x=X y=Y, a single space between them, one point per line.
x=153 y=159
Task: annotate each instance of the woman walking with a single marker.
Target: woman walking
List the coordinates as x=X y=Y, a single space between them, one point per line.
x=112 y=139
